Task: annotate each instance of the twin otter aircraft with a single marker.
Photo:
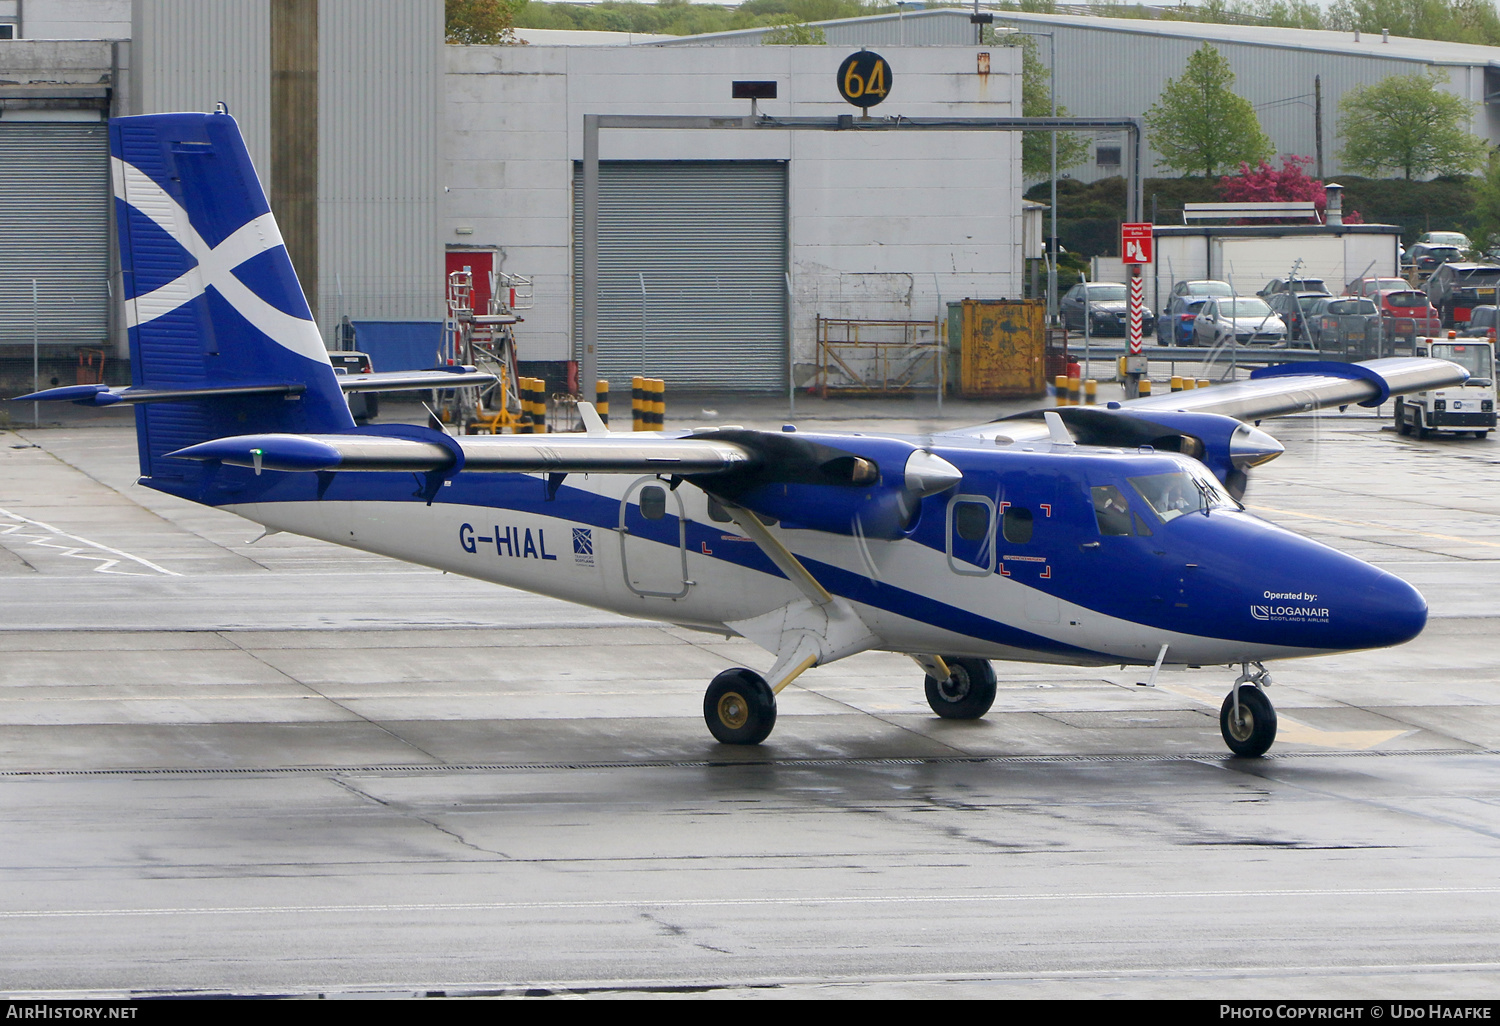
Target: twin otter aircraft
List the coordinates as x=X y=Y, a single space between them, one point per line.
x=1086 y=536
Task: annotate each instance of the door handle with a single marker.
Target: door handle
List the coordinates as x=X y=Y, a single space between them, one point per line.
x=1088 y=545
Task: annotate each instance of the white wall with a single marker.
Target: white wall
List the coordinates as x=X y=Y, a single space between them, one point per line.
x=69 y=19
x=881 y=226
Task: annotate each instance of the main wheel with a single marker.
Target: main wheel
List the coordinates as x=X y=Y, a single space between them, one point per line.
x=739 y=707
x=1402 y=427
x=968 y=692
x=1255 y=729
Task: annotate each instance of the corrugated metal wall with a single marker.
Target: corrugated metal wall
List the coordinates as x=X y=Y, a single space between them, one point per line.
x=379 y=123
x=190 y=54
x=380 y=117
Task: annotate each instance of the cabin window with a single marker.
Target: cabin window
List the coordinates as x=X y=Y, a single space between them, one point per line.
x=653 y=502
x=1016 y=525
x=971 y=520
x=717 y=513
x=1111 y=510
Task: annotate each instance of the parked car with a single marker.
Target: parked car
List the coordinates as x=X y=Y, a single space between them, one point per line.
x=1458 y=240
x=1293 y=308
x=1344 y=323
x=1175 y=326
x=1456 y=288
x=1247 y=319
x=1483 y=320
x=1276 y=285
x=1202 y=287
x=1370 y=286
x=1108 y=308
x=1424 y=258
x=1407 y=313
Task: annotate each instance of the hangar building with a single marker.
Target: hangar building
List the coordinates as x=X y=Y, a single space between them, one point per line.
x=719 y=250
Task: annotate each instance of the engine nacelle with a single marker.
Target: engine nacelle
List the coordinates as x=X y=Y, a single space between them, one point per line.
x=869 y=486
x=1228 y=447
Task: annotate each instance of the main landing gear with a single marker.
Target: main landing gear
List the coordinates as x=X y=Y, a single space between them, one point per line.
x=965 y=693
x=1247 y=719
x=739 y=707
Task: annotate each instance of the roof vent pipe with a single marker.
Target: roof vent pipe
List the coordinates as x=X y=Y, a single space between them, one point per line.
x=1334 y=215
x=1385 y=35
x=1356 y=35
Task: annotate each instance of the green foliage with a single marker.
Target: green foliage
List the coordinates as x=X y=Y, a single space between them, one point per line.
x=482 y=22
x=1199 y=124
x=1486 y=198
x=1036 y=102
x=794 y=35
x=1406 y=123
x=680 y=18
x=1456 y=21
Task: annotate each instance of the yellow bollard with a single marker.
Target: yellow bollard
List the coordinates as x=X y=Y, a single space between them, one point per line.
x=1090 y=392
x=1060 y=383
x=660 y=409
x=1177 y=382
x=1120 y=369
x=523 y=390
x=637 y=402
x=1074 y=387
x=1189 y=382
x=601 y=400
x=1204 y=382
x=1145 y=387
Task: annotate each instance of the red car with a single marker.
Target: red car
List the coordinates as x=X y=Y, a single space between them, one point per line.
x=1370 y=286
x=1407 y=313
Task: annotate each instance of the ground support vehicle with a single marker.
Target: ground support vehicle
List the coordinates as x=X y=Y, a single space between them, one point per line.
x=1458 y=408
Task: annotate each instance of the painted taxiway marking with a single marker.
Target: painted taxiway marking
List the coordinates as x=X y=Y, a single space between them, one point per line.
x=18 y=532
x=1211 y=896
x=1378 y=527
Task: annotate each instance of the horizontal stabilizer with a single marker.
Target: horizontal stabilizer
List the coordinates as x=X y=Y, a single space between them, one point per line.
x=580 y=454
x=104 y=395
x=399 y=381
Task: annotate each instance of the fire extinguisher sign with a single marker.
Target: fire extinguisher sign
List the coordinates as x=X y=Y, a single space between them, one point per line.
x=1135 y=243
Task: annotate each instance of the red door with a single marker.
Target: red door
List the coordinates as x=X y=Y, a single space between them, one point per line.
x=479 y=262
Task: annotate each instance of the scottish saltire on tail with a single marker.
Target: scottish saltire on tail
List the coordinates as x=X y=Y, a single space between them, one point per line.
x=1082 y=536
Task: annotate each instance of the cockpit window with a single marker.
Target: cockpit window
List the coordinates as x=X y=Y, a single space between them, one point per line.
x=1111 y=510
x=1172 y=495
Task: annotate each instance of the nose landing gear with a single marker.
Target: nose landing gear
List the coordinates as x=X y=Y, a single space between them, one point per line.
x=1247 y=719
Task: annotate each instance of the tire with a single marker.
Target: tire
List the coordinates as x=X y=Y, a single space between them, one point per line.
x=1402 y=427
x=968 y=692
x=739 y=707
x=1256 y=730
x=1481 y=435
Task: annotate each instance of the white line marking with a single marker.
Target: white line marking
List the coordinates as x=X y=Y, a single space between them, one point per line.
x=873 y=899
x=106 y=564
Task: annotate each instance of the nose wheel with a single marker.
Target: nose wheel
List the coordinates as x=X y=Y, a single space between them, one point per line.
x=1247 y=719
x=739 y=707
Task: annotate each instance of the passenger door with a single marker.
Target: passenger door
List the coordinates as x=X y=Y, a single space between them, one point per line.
x=653 y=540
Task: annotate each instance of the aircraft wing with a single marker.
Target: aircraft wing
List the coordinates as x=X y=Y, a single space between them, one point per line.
x=1270 y=392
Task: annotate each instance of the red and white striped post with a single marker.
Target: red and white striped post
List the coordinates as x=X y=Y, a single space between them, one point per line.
x=1135 y=250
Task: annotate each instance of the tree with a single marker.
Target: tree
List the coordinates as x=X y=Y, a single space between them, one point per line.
x=1406 y=123
x=794 y=35
x=1036 y=102
x=1199 y=124
x=1486 y=190
x=482 y=22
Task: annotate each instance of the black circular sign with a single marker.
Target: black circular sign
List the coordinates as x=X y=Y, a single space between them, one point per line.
x=864 y=78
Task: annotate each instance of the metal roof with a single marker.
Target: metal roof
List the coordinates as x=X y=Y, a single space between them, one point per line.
x=950 y=26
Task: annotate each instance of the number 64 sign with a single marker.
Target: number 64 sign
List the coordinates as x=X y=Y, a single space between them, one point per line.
x=864 y=78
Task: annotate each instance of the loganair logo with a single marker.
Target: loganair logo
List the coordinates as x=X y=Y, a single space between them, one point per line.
x=1306 y=612
x=214 y=266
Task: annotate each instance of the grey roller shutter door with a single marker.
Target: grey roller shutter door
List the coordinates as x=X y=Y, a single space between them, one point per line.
x=709 y=241
x=54 y=227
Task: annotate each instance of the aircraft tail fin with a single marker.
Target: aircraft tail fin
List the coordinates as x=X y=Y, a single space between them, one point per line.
x=212 y=302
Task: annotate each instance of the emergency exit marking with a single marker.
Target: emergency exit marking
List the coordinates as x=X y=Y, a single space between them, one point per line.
x=864 y=78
